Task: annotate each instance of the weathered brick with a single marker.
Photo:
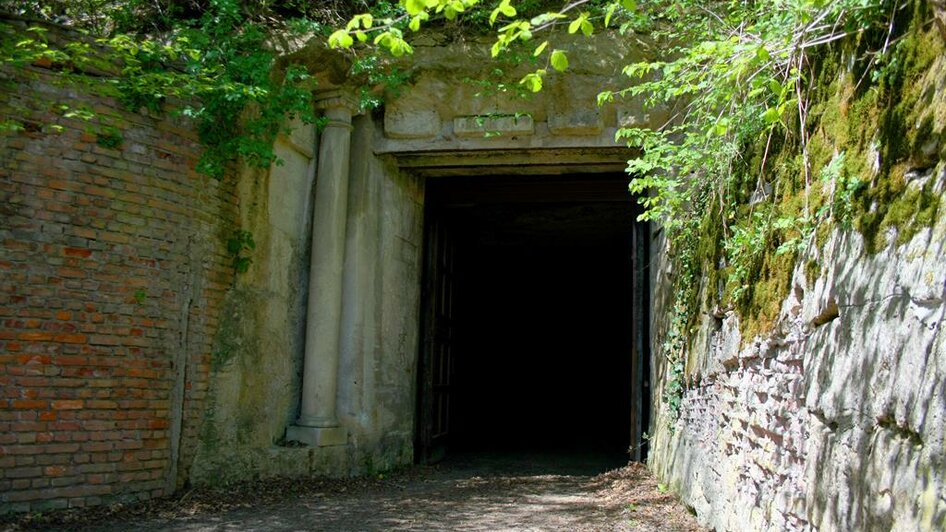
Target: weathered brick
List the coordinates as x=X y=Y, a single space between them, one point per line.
x=67 y=404
x=71 y=338
x=35 y=336
x=23 y=472
x=56 y=471
x=29 y=404
x=91 y=227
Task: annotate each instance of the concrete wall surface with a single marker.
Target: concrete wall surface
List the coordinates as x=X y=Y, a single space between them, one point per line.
x=255 y=380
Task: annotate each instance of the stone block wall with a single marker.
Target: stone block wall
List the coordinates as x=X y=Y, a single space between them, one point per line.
x=113 y=268
x=745 y=433
x=835 y=417
x=835 y=421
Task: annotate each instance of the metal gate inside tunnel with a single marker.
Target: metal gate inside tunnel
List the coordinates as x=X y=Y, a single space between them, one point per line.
x=535 y=303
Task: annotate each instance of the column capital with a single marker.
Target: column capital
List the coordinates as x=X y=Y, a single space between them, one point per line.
x=337 y=99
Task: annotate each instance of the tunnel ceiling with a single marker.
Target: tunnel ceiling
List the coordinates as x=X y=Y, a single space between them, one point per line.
x=573 y=210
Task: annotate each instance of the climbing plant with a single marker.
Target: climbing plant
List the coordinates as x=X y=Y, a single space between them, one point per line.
x=736 y=77
x=212 y=60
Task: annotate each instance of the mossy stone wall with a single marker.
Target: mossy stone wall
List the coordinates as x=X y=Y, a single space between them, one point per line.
x=818 y=401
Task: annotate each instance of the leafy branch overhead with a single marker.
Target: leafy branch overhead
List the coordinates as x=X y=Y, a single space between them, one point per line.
x=737 y=79
x=216 y=67
x=390 y=36
x=731 y=175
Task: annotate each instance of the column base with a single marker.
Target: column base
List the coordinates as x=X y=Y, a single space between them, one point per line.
x=317 y=436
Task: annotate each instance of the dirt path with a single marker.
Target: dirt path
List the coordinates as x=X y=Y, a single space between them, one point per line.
x=471 y=492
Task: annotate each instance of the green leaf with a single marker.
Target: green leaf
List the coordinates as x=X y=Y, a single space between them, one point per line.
x=340 y=39
x=400 y=47
x=581 y=23
x=609 y=13
x=770 y=116
x=533 y=81
x=140 y=296
x=559 y=60
x=539 y=49
x=574 y=25
x=414 y=24
x=413 y=7
x=503 y=8
x=629 y=5
x=493 y=15
x=762 y=54
x=496 y=48
x=384 y=39
x=10 y=125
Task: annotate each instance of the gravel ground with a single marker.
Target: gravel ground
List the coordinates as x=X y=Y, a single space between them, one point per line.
x=509 y=491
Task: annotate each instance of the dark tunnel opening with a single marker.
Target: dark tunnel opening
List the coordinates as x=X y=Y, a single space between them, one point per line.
x=529 y=322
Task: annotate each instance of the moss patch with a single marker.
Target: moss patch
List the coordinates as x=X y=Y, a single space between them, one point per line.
x=903 y=106
x=812 y=272
x=883 y=120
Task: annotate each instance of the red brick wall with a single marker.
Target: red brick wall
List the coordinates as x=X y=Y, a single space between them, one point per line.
x=112 y=272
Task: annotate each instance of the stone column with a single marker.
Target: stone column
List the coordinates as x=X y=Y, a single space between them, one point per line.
x=318 y=423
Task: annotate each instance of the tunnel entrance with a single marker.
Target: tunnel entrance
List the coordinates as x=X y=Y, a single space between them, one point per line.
x=534 y=324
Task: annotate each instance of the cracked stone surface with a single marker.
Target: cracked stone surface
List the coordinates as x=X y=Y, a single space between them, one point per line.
x=837 y=419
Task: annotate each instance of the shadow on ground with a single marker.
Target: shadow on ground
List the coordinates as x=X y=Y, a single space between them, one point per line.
x=511 y=491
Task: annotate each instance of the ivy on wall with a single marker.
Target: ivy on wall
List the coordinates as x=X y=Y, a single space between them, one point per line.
x=748 y=173
x=733 y=177
x=213 y=65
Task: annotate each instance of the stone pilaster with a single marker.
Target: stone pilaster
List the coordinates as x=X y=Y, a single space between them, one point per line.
x=318 y=422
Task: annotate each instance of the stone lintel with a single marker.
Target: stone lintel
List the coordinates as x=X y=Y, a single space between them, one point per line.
x=580 y=123
x=555 y=154
x=637 y=115
x=413 y=124
x=317 y=436
x=483 y=125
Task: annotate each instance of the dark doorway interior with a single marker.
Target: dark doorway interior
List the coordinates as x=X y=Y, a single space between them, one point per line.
x=536 y=349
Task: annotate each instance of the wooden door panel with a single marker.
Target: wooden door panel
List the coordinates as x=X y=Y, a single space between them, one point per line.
x=436 y=361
